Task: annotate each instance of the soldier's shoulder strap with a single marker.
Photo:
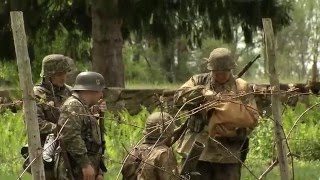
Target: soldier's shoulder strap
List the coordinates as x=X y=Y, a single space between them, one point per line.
x=242 y=85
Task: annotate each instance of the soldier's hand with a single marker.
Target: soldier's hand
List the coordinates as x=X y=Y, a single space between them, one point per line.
x=102 y=105
x=209 y=94
x=99 y=177
x=88 y=173
x=195 y=124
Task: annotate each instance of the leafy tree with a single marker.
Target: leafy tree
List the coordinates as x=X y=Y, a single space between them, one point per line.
x=298 y=44
x=109 y=23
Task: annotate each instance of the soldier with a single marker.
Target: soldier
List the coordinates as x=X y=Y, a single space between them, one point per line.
x=215 y=161
x=50 y=94
x=153 y=159
x=80 y=155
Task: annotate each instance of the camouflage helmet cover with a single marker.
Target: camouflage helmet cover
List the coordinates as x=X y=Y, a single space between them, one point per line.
x=91 y=81
x=159 y=123
x=220 y=59
x=54 y=63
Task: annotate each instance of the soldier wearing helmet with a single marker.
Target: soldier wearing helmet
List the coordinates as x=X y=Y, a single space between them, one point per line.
x=50 y=94
x=215 y=161
x=153 y=159
x=81 y=141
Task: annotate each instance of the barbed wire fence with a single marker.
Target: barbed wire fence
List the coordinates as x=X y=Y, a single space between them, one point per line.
x=181 y=115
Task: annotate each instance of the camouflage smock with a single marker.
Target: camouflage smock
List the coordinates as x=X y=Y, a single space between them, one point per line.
x=81 y=138
x=159 y=164
x=213 y=152
x=49 y=99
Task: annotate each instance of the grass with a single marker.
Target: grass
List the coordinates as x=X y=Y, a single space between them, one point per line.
x=123 y=134
x=303 y=170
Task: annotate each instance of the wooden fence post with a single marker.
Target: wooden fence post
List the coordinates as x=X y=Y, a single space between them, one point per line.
x=29 y=104
x=275 y=99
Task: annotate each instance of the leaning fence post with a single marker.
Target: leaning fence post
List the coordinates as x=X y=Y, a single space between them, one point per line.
x=275 y=99
x=29 y=104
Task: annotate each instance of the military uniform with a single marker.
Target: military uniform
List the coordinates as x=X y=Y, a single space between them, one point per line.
x=215 y=161
x=156 y=161
x=81 y=137
x=49 y=99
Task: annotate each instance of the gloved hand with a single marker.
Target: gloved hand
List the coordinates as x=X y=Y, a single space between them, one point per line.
x=210 y=95
x=196 y=123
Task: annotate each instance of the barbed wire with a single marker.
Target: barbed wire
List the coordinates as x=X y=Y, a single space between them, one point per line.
x=191 y=112
x=117 y=105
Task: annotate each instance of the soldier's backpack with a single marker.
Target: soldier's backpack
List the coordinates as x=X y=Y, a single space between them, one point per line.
x=132 y=163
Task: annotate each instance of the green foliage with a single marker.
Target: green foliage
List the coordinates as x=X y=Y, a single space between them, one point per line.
x=8 y=74
x=302 y=170
x=13 y=137
x=145 y=69
x=262 y=138
x=303 y=141
x=124 y=131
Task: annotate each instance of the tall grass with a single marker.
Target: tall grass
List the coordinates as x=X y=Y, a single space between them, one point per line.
x=124 y=131
x=13 y=137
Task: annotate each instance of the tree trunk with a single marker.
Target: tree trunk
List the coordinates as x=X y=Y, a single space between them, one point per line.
x=107 y=42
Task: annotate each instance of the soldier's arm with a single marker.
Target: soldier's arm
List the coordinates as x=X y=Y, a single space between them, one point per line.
x=45 y=127
x=168 y=164
x=189 y=93
x=71 y=121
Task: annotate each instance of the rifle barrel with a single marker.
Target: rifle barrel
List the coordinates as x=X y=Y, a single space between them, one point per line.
x=245 y=69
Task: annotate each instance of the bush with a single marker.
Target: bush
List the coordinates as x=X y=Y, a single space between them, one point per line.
x=304 y=140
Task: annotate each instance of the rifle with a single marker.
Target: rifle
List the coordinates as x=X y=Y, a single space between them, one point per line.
x=189 y=166
x=245 y=69
x=102 y=132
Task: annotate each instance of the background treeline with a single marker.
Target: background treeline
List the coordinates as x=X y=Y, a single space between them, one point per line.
x=163 y=41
